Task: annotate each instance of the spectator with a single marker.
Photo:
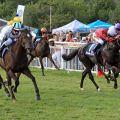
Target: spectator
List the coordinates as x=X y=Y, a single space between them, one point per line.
x=69 y=37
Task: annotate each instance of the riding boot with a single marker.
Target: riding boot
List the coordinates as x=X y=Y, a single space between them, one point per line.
x=2 y=47
x=97 y=47
x=95 y=52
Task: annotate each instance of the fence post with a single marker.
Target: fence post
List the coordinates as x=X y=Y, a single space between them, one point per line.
x=62 y=61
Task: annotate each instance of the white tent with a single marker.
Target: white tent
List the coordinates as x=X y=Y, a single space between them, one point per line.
x=73 y=26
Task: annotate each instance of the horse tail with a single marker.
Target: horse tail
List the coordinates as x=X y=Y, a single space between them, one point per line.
x=70 y=56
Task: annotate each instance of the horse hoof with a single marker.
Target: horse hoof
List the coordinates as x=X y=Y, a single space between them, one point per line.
x=115 y=87
x=99 y=89
x=14 y=100
x=82 y=89
x=38 y=98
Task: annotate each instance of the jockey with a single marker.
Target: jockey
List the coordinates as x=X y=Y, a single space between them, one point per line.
x=36 y=35
x=44 y=32
x=109 y=35
x=10 y=33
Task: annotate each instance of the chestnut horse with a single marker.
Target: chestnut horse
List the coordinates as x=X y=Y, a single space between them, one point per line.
x=15 y=60
x=42 y=50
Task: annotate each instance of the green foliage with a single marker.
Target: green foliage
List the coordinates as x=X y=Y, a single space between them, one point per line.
x=37 y=12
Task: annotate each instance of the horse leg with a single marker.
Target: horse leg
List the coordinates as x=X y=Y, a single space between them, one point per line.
x=84 y=73
x=115 y=75
x=92 y=79
x=115 y=83
x=31 y=58
x=50 y=57
x=27 y=72
x=10 y=85
x=16 y=79
x=42 y=67
x=5 y=89
x=106 y=76
x=17 y=82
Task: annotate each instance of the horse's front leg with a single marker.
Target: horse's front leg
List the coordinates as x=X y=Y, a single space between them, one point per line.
x=42 y=66
x=5 y=89
x=31 y=58
x=106 y=76
x=17 y=82
x=16 y=79
x=10 y=75
x=115 y=79
x=50 y=57
x=116 y=72
x=27 y=72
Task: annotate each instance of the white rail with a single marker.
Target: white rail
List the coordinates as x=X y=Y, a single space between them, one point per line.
x=57 y=51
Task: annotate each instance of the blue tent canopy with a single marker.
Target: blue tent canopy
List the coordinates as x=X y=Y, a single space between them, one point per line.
x=73 y=26
x=99 y=24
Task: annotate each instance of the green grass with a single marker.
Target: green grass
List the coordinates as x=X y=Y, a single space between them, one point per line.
x=61 y=99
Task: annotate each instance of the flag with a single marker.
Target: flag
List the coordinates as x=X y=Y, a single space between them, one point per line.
x=20 y=11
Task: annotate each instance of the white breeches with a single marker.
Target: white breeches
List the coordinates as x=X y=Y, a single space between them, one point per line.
x=8 y=42
x=98 y=40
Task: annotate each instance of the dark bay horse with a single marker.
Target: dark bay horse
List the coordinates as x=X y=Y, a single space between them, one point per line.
x=108 y=56
x=15 y=60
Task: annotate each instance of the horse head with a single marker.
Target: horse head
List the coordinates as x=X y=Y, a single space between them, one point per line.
x=26 y=40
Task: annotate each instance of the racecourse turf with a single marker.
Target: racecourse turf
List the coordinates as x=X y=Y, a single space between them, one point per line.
x=61 y=98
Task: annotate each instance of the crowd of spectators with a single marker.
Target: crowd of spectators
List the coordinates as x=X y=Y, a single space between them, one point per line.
x=67 y=37
x=72 y=37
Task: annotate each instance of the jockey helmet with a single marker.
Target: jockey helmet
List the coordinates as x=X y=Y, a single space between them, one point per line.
x=43 y=29
x=10 y=22
x=112 y=31
x=18 y=26
x=117 y=26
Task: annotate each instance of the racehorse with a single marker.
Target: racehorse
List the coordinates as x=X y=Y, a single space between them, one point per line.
x=15 y=60
x=107 y=56
x=42 y=50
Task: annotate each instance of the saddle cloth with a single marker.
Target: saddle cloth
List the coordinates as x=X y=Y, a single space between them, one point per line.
x=89 y=49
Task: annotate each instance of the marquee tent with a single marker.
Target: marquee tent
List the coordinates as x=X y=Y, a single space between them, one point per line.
x=73 y=26
x=99 y=24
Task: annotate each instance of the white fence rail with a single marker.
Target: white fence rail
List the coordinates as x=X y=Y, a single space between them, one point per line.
x=57 y=51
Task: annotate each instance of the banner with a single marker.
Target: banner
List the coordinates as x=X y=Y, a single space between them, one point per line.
x=20 y=11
